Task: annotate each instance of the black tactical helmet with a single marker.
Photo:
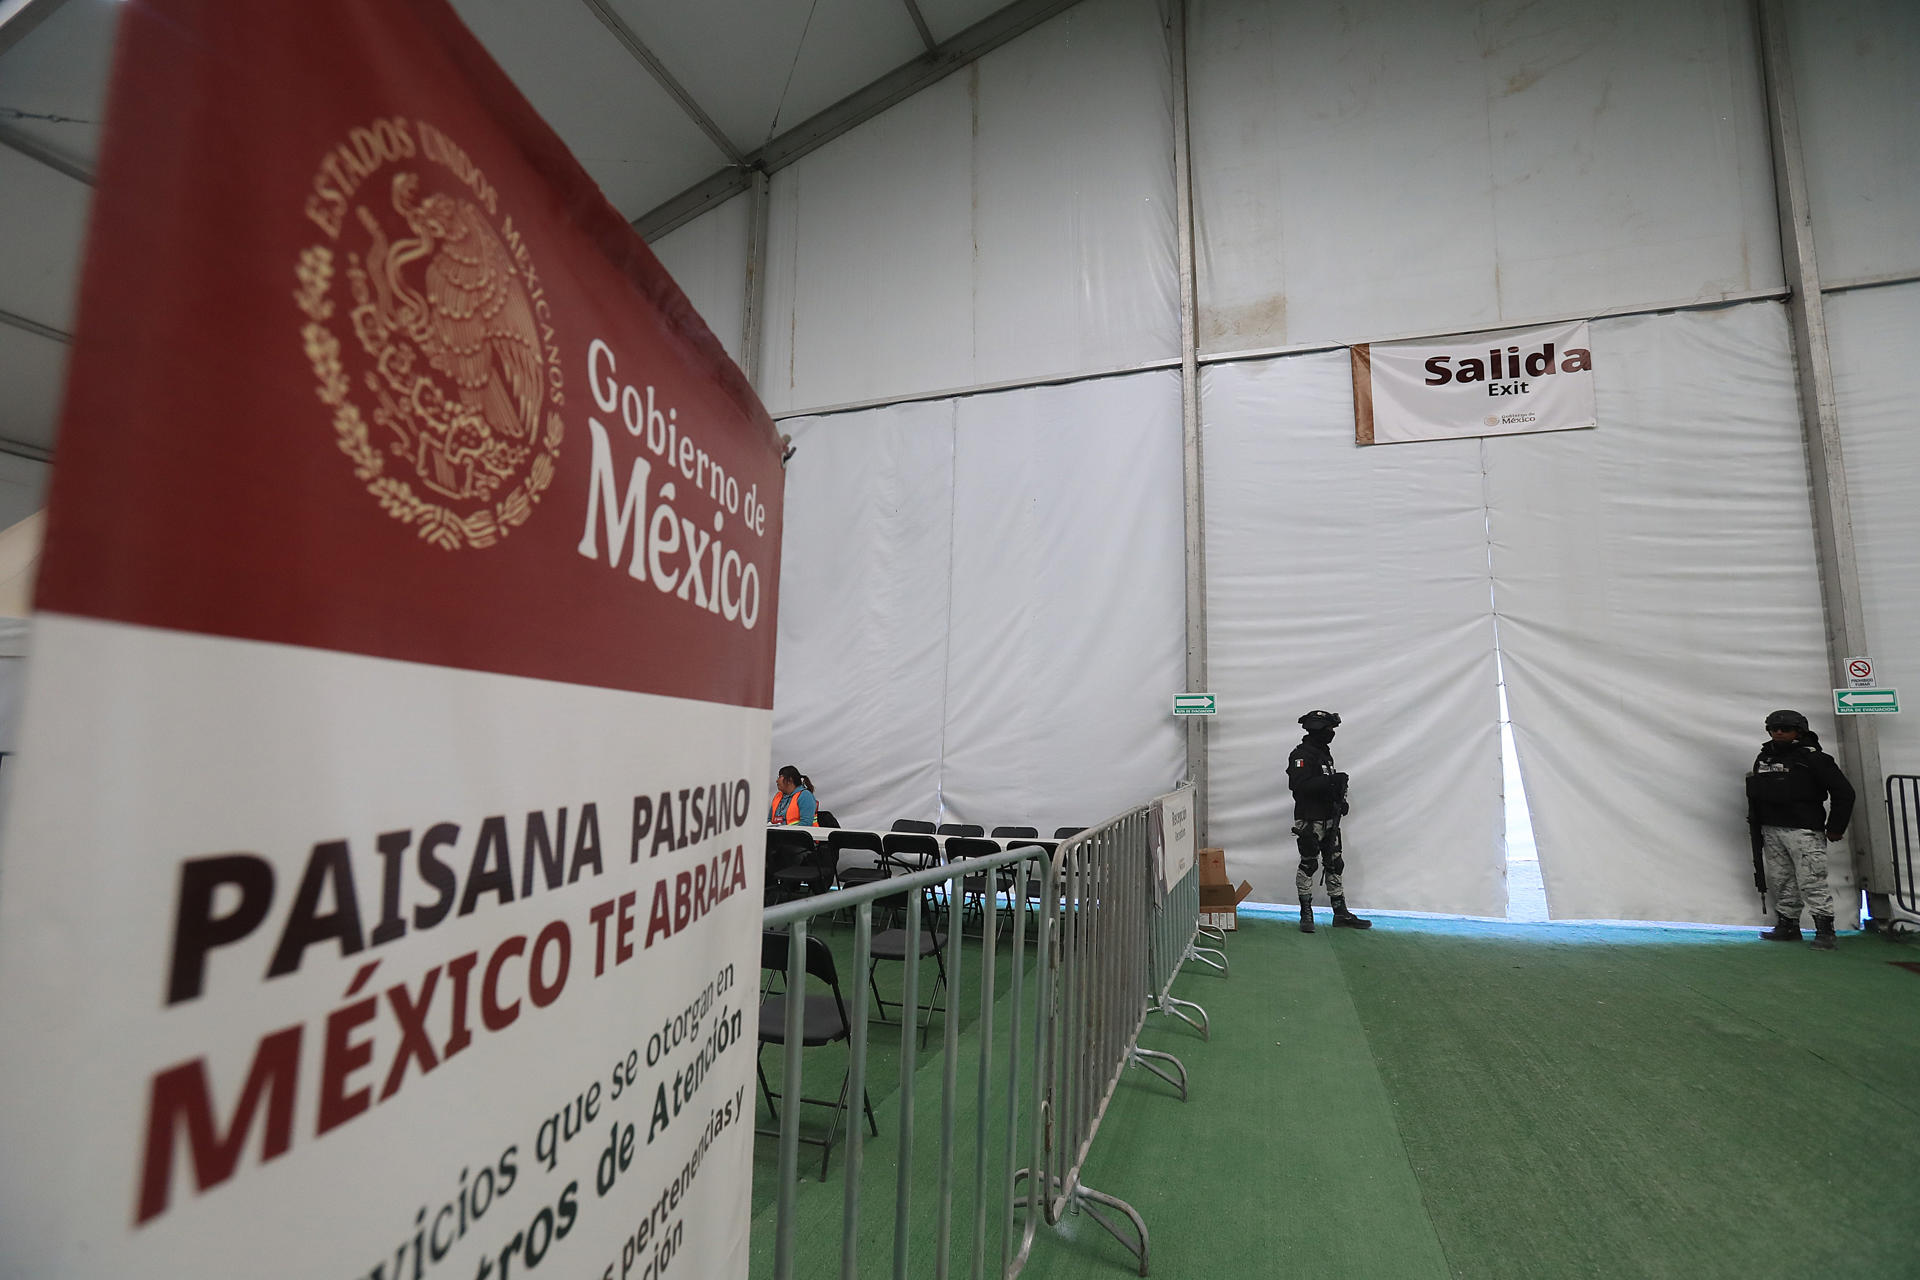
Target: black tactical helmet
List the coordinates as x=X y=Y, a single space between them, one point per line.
x=1786 y=720
x=1315 y=721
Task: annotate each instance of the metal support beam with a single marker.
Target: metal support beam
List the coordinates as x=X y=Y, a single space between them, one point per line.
x=13 y=321
x=756 y=303
x=920 y=25
x=33 y=149
x=21 y=449
x=851 y=111
x=1190 y=444
x=651 y=61
x=17 y=17
x=1826 y=465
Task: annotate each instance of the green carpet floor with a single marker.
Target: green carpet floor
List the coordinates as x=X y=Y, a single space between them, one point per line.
x=1436 y=1099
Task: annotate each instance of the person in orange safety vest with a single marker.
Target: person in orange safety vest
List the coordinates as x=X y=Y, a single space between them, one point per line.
x=793 y=804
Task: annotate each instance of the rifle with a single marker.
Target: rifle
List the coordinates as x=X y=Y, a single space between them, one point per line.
x=1759 y=863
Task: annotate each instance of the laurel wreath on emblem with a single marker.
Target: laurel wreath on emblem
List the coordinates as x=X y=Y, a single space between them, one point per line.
x=456 y=371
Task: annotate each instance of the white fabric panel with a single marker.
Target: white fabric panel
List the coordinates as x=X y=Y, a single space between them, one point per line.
x=1658 y=595
x=1856 y=70
x=625 y=130
x=32 y=374
x=1068 y=637
x=23 y=491
x=61 y=70
x=1390 y=167
x=948 y=18
x=870 y=259
x=44 y=216
x=1355 y=580
x=1013 y=221
x=708 y=260
x=741 y=60
x=1873 y=333
x=1077 y=248
x=859 y=687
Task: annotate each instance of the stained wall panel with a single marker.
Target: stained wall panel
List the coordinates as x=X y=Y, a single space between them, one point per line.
x=1382 y=168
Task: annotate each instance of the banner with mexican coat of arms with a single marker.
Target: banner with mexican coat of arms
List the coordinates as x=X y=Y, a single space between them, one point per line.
x=380 y=890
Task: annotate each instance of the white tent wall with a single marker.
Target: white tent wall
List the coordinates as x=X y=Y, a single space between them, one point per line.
x=23 y=486
x=708 y=260
x=980 y=613
x=1013 y=222
x=1067 y=637
x=1387 y=167
x=1658 y=594
x=1355 y=580
x=1874 y=333
x=1856 y=68
x=859 y=690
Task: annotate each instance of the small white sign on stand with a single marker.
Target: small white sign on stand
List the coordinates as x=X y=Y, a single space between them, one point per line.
x=1859 y=673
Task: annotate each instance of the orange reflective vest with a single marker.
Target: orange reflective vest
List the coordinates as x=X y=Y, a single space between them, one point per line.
x=786 y=809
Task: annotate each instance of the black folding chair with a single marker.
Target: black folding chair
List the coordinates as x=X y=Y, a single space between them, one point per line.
x=913 y=824
x=1036 y=885
x=912 y=849
x=858 y=857
x=961 y=829
x=793 y=868
x=1015 y=833
x=891 y=944
x=974 y=888
x=824 y=818
x=823 y=1020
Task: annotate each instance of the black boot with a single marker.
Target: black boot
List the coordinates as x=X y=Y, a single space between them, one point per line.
x=1306 y=915
x=1785 y=929
x=1822 y=933
x=1345 y=919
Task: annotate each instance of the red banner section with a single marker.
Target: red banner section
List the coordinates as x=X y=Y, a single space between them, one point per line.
x=367 y=363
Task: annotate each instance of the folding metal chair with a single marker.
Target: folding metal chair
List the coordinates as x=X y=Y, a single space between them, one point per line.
x=892 y=944
x=974 y=888
x=823 y=1021
x=794 y=865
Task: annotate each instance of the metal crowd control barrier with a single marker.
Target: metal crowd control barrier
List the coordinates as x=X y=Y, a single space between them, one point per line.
x=1000 y=1071
x=1903 y=816
x=1174 y=941
x=1095 y=993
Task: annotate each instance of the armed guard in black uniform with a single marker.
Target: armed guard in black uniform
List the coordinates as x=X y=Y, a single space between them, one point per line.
x=1788 y=794
x=1319 y=802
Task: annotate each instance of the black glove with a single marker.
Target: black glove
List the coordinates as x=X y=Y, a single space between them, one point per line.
x=1340 y=782
x=1343 y=808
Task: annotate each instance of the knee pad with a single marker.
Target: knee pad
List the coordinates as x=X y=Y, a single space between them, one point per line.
x=1335 y=863
x=1308 y=865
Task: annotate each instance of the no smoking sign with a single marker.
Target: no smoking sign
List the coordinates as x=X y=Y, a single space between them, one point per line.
x=1859 y=673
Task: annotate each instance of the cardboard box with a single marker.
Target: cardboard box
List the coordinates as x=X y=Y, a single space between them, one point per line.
x=1220 y=898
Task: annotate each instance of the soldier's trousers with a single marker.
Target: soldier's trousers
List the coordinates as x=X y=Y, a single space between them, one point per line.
x=1797 y=870
x=1319 y=843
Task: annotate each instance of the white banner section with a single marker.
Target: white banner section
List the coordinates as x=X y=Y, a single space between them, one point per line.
x=326 y=964
x=1476 y=384
x=1174 y=835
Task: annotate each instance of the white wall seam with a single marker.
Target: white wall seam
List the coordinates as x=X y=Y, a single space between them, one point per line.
x=946 y=630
